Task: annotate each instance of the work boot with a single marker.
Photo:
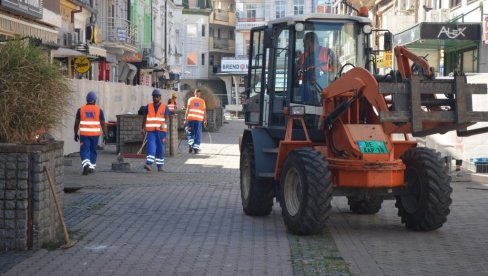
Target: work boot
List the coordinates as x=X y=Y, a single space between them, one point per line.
x=86 y=169
x=147 y=167
x=160 y=169
x=190 y=149
x=91 y=170
x=196 y=151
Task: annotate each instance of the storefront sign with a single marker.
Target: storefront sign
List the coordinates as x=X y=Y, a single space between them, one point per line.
x=82 y=65
x=30 y=8
x=131 y=57
x=448 y=31
x=234 y=65
x=439 y=30
x=121 y=34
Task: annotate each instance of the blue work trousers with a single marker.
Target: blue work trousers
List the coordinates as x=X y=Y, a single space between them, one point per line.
x=155 y=148
x=194 y=133
x=88 y=150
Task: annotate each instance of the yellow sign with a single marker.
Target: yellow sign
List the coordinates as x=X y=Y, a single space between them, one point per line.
x=388 y=61
x=384 y=60
x=379 y=61
x=82 y=65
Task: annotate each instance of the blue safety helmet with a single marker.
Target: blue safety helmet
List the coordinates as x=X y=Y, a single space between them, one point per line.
x=91 y=96
x=156 y=92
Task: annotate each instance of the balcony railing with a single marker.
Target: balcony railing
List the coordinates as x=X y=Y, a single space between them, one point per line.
x=248 y=25
x=223 y=18
x=250 y=19
x=222 y=44
x=118 y=30
x=221 y=15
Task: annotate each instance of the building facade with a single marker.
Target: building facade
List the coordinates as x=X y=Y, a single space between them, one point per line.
x=448 y=33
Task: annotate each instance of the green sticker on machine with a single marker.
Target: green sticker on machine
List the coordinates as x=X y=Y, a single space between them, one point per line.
x=372 y=147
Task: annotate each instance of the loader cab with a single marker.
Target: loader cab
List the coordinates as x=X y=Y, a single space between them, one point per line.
x=291 y=61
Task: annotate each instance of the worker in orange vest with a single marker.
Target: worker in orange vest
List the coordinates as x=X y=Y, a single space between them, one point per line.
x=172 y=104
x=195 y=115
x=90 y=122
x=316 y=67
x=155 y=126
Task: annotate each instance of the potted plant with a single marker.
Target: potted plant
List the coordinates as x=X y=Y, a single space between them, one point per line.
x=33 y=98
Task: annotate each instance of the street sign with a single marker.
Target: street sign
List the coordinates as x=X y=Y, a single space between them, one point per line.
x=82 y=65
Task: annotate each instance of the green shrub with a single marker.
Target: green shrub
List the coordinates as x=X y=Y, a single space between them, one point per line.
x=33 y=92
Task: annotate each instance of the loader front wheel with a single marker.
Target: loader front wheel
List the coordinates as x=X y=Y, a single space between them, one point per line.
x=364 y=204
x=305 y=192
x=424 y=204
x=256 y=195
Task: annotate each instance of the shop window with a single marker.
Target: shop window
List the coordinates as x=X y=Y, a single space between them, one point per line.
x=469 y=61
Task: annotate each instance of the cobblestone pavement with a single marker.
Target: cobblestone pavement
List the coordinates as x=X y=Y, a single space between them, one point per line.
x=189 y=221
x=380 y=245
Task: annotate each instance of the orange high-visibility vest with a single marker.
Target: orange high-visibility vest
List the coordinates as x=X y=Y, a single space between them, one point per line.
x=90 y=120
x=196 y=109
x=172 y=105
x=155 y=121
x=323 y=60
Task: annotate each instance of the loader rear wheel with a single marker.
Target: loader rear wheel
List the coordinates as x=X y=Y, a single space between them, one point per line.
x=306 y=192
x=256 y=195
x=364 y=204
x=425 y=204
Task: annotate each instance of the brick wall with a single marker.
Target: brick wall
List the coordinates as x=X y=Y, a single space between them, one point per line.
x=215 y=119
x=130 y=137
x=28 y=214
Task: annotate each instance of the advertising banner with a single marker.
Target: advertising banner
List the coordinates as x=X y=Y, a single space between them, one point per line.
x=234 y=65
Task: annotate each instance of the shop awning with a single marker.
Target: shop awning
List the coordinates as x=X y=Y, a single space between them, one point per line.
x=97 y=51
x=438 y=35
x=24 y=28
x=66 y=52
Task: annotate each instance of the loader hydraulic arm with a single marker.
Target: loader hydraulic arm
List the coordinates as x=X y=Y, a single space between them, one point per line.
x=403 y=55
x=356 y=80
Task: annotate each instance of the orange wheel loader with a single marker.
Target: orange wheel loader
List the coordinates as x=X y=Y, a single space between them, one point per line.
x=322 y=124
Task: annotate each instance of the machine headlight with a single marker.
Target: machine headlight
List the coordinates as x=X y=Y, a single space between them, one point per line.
x=367 y=29
x=297 y=110
x=299 y=27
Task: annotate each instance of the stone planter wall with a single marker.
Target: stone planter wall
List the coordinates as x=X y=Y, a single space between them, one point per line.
x=28 y=215
x=215 y=119
x=130 y=137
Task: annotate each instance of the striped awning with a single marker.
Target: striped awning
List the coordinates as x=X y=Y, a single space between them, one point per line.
x=24 y=28
x=65 y=52
x=97 y=51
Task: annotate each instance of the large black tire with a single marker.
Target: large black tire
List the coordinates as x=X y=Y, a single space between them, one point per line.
x=425 y=204
x=256 y=195
x=305 y=192
x=364 y=204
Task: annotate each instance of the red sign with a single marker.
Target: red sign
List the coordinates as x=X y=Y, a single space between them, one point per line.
x=485 y=30
x=136 y=57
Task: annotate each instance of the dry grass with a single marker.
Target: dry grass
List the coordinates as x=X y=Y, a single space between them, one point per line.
x=211 y=100
x=33 y=92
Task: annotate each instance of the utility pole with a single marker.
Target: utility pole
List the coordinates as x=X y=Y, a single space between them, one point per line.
x=166 y=33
